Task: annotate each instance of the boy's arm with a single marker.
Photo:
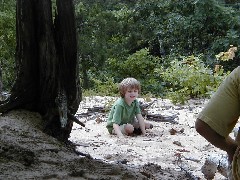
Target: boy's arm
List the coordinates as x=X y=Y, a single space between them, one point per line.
x=141 y=123
x=117 y=130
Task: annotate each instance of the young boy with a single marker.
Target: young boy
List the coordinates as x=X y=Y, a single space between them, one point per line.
x=125 y=115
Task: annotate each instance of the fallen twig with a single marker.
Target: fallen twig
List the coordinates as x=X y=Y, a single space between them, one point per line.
x=161 y=118
x=180 y=164
x=75 y=119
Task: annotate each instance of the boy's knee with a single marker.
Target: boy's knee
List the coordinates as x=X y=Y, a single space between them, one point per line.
x=129 y=128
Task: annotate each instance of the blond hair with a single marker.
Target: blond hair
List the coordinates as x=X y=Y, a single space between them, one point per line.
x=128 y=83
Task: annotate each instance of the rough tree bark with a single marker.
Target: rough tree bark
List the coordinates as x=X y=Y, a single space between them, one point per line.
x=47 y=67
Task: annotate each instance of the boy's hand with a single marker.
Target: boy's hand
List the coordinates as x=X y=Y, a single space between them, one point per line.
x=143 y=132
x=117 y=130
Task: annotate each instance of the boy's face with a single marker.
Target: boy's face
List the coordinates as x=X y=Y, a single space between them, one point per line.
x=131 y=94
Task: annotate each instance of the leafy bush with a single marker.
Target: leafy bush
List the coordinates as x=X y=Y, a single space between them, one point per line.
x=104 y=86
x=188 y=77
x=138 y=65
x=7 y=42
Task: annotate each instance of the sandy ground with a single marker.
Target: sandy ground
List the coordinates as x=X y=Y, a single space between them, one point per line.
x=172 y=150
x=175 y=148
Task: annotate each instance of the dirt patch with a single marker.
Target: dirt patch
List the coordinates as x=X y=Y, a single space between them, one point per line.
x=27 y=153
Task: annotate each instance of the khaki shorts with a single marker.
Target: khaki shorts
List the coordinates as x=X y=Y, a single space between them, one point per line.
x=122 y=127
x=223 y=109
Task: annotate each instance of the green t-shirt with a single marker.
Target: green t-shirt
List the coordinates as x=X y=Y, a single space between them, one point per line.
x=122 y=113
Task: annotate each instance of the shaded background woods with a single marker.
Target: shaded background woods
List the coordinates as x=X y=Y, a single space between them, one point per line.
x=169 y=46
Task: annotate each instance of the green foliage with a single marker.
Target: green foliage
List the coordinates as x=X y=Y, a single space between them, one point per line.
x=188 y=77
x=143 y=39
x=7 y=42
x=221 y=23
x=103 y=85
x=139 y=65
x=98 y=26
x=113 y=31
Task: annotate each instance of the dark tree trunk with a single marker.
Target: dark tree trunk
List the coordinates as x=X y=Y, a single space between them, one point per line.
x=47 y=67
